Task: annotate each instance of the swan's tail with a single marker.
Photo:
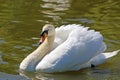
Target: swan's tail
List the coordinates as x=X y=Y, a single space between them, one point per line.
x=101 y=58
x=110 y=54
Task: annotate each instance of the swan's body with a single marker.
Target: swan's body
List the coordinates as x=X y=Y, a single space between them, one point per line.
x=67 y=48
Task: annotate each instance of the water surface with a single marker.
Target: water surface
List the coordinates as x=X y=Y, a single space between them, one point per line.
x=21 y=22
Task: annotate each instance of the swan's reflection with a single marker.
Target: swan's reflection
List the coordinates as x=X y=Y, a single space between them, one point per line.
x=55 y=76
x=85 y=74
x=28 y=75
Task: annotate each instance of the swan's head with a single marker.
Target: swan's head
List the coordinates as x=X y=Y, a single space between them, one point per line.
x=48 y=30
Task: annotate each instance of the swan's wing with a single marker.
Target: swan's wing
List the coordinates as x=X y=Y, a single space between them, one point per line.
x=63 y=32
x=80 y=46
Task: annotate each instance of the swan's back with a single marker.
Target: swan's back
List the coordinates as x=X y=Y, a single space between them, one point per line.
x=74 y=46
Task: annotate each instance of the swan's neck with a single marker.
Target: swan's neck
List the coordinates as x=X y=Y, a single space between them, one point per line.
x=31 y=61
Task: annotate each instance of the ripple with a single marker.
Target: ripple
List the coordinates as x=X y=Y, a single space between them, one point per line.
x=43 y=21
x=100 y=71
x=26 y=48
x=35 y=38
x=57 y=5
x=112 y=41
x=2 y=41
x=15 y=21
x=23 y=48
x=83 y=20
x=5 y=76
x=1 y=60
x=57 y=1
x=35 y=45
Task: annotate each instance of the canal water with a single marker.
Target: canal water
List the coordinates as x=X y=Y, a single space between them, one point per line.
x=21 y=22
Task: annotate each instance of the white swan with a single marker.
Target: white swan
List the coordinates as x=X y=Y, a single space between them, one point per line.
x=67 y=48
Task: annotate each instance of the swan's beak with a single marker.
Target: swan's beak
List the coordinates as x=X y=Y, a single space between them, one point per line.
x=43 y=36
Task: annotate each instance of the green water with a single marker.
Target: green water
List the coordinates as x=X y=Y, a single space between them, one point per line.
x=21 y=21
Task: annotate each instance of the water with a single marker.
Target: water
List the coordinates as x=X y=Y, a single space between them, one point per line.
x=21 y=22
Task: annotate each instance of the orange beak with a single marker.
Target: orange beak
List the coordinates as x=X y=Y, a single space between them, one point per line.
x=43 y=36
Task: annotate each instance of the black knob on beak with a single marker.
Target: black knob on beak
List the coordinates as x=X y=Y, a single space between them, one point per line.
x=43 y=32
